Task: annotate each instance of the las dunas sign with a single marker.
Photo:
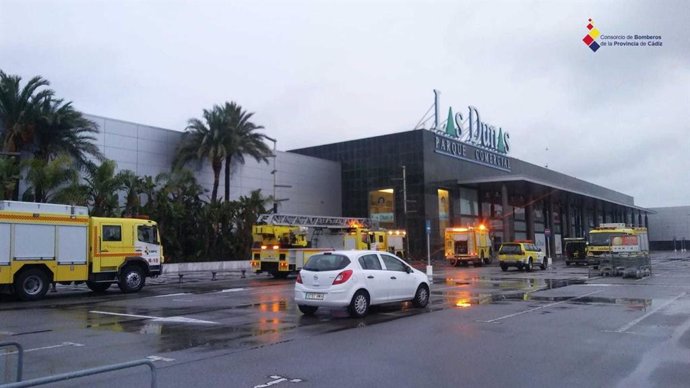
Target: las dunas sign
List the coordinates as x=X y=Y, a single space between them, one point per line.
x=471 y=139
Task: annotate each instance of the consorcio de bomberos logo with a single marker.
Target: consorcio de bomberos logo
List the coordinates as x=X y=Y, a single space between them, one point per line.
x=591 y=38
x=595 y=39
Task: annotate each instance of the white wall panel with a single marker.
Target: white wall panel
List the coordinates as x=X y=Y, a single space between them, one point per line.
x=146 y=150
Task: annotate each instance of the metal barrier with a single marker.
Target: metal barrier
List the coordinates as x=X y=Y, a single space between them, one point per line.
x=20 y=357
x=87 y=372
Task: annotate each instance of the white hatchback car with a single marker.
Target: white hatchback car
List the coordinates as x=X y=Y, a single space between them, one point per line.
x=357 y=280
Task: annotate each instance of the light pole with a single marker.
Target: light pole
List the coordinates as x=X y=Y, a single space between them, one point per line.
x=404 y=191
x=274 y=172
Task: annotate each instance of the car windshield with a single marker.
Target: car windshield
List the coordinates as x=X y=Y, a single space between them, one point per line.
x=326 y=263
x=510 y=249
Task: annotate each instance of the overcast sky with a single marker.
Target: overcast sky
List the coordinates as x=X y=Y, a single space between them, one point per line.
x=319 y=72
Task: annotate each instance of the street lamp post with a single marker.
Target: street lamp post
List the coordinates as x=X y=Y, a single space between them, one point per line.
x=274 y=172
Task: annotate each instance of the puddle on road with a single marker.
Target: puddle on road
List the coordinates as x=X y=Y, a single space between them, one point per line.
x=270 y=319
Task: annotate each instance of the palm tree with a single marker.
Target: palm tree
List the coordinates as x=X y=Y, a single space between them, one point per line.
x=19 y=109
x=133 y=186
x=101 y=188
x=242 y=140
x=205 y=140
x=62 y=129
x=47 y=178
x=9 y=175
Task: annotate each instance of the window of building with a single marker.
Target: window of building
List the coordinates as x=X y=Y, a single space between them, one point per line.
x=443 y=210
x=469 y=205
x=382 y=207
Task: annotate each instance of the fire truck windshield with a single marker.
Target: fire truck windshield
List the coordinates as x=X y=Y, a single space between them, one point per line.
x=603 y=239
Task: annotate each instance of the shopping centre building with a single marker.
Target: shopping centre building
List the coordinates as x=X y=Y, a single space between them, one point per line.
x=421 y=180
x=449 y=182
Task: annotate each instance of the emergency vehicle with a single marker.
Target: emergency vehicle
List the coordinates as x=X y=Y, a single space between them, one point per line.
x=522 y=254
x=617 y=238
x=284 y=242
x=576 y=251
x=43 y=244
x=465 y=245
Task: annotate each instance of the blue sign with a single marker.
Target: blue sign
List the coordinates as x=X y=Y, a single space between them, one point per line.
x=428 y=226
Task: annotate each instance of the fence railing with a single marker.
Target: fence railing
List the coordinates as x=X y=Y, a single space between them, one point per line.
x=87 y=372
x=20 y=357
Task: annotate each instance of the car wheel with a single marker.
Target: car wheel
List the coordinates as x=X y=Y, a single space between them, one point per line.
x=504 y=267
x=567 y=263
x=479 y=263
x=359 y=304
x=528 y=266
x=307 y=310
x=98 y=287
x=31 y=284
x=543 y=264
x=421 y=297
x=131 y=279
x=454 y=262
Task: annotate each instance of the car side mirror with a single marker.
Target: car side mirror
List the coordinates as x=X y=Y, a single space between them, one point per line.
x=408 y=269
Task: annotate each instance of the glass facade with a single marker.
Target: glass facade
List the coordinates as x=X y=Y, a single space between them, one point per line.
x=443 y=210
x=382 y=207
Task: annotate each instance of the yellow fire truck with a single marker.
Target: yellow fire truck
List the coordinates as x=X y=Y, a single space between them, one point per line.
x=44 y=243
x=283 y=242
x=468 y=244
x=617 y=238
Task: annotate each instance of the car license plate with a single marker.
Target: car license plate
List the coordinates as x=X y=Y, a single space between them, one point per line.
x=314 y=296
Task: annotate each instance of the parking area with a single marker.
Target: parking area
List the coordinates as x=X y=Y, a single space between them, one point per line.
x=562 y=326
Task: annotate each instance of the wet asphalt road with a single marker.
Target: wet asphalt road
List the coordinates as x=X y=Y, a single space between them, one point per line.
x=483 y=327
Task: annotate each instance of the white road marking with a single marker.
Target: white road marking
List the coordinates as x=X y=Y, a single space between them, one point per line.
x=277 y=380
x=634 y=322
x=178 y=294
x=62 y=345
x=231 y=290
x=540 y=307
x=157 y=319
x=159 y=358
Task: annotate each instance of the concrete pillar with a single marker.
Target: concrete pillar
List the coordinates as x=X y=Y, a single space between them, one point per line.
x=551 y=222
x=507 y=235
x=529 y=216
x=568 y=230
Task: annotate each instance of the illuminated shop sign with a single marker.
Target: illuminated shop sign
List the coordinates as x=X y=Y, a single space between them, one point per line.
x=471 y=139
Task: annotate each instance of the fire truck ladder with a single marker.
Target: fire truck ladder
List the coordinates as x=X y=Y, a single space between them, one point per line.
x=314 y=221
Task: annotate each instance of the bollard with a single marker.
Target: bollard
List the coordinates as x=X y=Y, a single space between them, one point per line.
x=243 y=272
x=214 y=275
x=180 y=275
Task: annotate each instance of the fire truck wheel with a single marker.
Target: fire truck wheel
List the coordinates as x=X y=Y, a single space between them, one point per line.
x=31 y=284
x=98 y=287
x=307 y=310
x=131 y=279
x=504 y=267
